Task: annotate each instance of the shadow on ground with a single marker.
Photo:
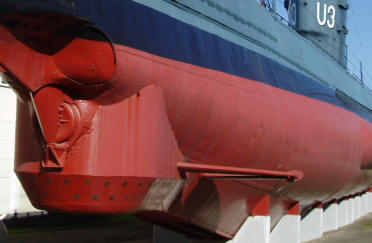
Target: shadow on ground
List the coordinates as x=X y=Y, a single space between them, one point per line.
x=78 y=229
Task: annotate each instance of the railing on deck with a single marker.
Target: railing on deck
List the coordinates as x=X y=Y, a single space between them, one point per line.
x=354 y=65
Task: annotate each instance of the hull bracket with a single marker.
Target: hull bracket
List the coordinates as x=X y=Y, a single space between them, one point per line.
x=236 y=173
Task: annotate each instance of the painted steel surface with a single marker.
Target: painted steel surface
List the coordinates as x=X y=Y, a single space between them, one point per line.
x=105 y=117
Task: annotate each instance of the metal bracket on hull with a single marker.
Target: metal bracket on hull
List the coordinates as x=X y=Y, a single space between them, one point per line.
x=237 y=173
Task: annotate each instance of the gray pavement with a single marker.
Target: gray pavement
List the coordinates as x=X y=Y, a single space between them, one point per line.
x=117 y=229
x=358 y=232
x=91 y=230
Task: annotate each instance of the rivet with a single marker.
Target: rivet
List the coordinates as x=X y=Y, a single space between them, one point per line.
x=87 y=182
x=48 y=180
x=126 y=198
x=125 y=183
x=95 y=197
x=140 y=184
x=138 y=198
x=67 y=181
x=77 y=196
x=45 y=194
x=112 y=197
x=107 y=183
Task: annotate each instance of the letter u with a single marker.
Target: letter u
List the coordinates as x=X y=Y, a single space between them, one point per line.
x=321 y=22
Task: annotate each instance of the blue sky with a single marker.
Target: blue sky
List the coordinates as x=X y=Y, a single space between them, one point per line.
x=359 y=38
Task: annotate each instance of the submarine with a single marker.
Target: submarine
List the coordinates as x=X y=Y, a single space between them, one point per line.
x=194 y=115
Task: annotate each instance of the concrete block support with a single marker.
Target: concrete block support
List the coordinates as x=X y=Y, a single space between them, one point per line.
x=287 y=230
x=255 y=229
x=350 y=211
x=342 y=213
x=290 y=228
x=369 y=200
x=364 y=205
x=312 y=225
x=330 y=218
x=356 y=207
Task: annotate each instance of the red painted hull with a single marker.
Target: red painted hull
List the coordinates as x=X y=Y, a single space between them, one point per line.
x=251 y=124
x=109 y=141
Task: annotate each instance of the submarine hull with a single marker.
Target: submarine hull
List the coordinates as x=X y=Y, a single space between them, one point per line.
x=175 y=125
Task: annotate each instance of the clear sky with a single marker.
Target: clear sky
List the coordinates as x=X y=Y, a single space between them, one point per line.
x=359 y=38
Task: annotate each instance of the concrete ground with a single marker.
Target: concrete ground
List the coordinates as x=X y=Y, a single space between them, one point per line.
x=358 y=232
x=80 y=230
x=132 y=230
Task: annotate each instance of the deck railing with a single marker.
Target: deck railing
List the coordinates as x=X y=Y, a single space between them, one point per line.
x=354 y=66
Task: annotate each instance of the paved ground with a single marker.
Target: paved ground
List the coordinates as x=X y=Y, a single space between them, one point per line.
x=131 y=230
x=358 y=232
x=80 y=230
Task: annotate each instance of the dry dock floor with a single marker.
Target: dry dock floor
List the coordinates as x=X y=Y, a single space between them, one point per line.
x=116 y=229
x=81 y=230
x=358 y=232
